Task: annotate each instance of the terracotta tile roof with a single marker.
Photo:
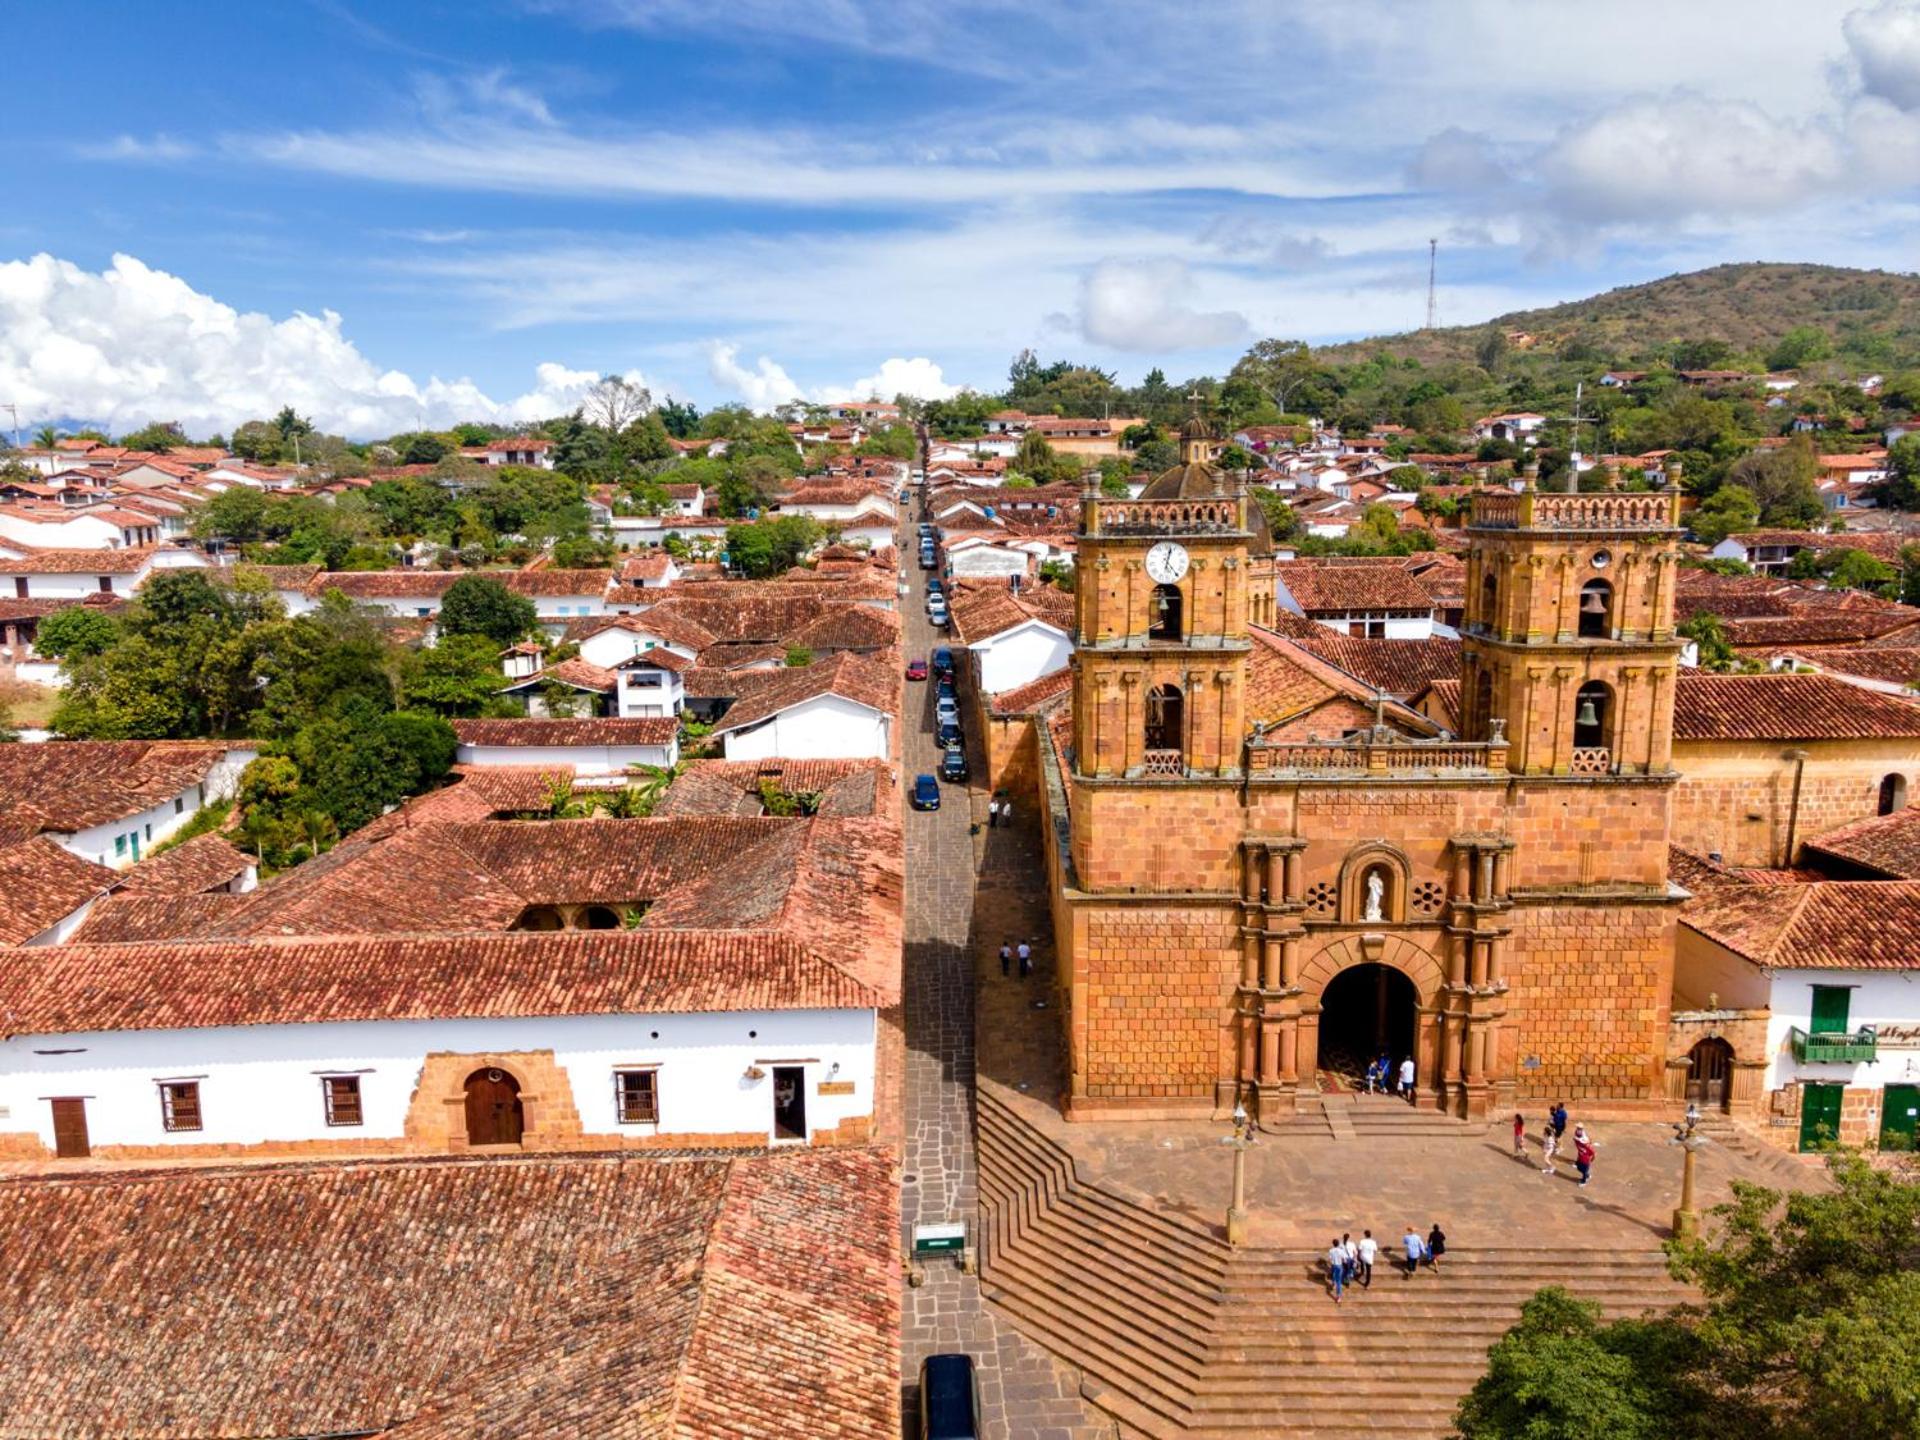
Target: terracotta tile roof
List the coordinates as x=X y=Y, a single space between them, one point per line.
x=127 y=561
x=1823 y=925
x=1842 y=627
x=1887 y=844
x=558 y=582
x=772 y=613
x=283 y=577
x=732 y=787
x=1023 y=699
x=127 y=916
x=206 y=862
x=432 y=584
x=41 y=884
x=981 y=609
x=1285 y=681
x=580 y=674
x=194 y=984
x=1786 y=707
x=519 y=442
x=867 y=681
x=68 y=785
x=648 y=565
x=1893 y=664
x=1403 y=668
x=690 y=1297
x=646 y=730
x=1337 y=586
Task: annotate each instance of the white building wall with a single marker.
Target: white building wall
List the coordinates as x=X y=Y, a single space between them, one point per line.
x=122 y=843
x=261 y=1083
x=581 y=759
x=986 y=561
x=826 y=727
x=1881 y=998
x=67 y=586
x=1019 y=656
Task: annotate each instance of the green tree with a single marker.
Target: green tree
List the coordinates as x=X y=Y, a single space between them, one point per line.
x=257 y=440
x=799 y=656
x=1559 y=1374
x=1857 y=570
x=75 y=633
x=1716 y=653
x=237 y=514
x=157 y=436
x=1730 y=509
x=1901 y=489
x=1801 y=345
x=1279 y=368
x=460 y=676
x=768 y=547
x=481 y=605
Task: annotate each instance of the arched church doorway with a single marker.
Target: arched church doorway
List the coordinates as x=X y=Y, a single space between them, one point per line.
x=1709 y=1073
x=1366 y=1011
x=494 y=1113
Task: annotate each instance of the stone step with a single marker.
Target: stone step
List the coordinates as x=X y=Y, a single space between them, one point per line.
x=1063 y=1265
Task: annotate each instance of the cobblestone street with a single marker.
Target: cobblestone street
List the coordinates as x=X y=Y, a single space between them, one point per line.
x=1025 y=1394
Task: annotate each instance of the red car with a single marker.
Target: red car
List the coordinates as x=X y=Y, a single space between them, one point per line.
x=916 y=670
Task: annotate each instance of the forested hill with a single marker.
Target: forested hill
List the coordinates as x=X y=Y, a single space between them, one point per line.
x=1872 y=316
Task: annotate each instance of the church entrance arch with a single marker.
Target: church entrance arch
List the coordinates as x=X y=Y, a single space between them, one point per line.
x=1368 y=1010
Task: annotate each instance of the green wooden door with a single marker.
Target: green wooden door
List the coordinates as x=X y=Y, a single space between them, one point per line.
x=1820 y=1116
x=1830 y=1010
x=1899 y=1116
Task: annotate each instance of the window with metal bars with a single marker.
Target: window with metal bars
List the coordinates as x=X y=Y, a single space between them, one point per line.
x=636 y=1095
x=180 y=1105
x=342 y=1096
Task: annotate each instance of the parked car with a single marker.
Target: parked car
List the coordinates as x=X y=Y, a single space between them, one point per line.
x=916 y=669
x=944 y=688
x=935 y=587
x=947 y=732
x=926 y=793
x=953 y=764
x=927 y=561
x=943 y=661
x=937 y=613
x=947 y=708
x=949 y=1398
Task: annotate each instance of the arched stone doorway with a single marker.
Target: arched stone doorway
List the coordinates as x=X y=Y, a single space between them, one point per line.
x=494 y=1112
x=1710 y=1074
x=1367 y=1010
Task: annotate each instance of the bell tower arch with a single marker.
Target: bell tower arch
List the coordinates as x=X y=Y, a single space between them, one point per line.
x=1568 y=644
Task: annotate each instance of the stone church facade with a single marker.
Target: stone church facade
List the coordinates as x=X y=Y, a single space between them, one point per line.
x=1258 y=874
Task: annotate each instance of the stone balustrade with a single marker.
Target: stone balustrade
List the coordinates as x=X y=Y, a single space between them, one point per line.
x=1604 y=511
x=1167 y=517
x=1363 y=758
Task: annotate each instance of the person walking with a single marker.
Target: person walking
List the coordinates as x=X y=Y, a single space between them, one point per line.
x=1406 y=1079
x=1549 y=1145
x=1025 y=953
x=1006 y=959
x=1436 y=1246
x=1352 y=1254
x=1336 y=1269
x=1410 y=1246
x=1006 y=813
x=1519 y=1136
x=1583 y=1153
x=1559 y=1120
x=1368 y=1249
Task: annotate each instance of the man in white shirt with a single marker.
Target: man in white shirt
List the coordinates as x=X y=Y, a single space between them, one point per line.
x=1414 y=1247
x=1367 y=1249
x=1406 y=1078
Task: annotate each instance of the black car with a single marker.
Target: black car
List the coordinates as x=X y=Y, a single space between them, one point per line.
x=947 y=732
x=926 y=793
x=943 y=661
x=953 y=765
x=949 y=1398
x=943 y=689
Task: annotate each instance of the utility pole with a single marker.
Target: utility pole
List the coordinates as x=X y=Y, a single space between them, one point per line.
x=1433 y=261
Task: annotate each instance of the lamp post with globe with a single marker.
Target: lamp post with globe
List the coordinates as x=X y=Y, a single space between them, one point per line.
x=1686 y=1220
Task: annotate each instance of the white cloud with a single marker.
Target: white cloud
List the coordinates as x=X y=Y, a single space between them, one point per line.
x=918 y=377
x=1456 y=159
x=763 y=387
x=133 y=344
x=1147 y=305
x=1885 y=41
x=1685 y=155
x=768 y=384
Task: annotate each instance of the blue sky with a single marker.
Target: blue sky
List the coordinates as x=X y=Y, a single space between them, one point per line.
x=401 y=212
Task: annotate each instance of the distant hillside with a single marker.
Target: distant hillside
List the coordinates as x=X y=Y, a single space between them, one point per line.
x=1873 y=315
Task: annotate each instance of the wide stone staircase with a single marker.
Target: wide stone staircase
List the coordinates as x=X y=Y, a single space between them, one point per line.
x=1178 y=1334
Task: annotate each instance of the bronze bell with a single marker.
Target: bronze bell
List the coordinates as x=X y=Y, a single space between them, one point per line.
x=1588 y=714
x=1593 y=603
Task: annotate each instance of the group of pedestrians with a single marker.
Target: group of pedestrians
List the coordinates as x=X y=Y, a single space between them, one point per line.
x=1011 y=953
x=1384 y=1079
x=999 y=812
x=1553 y=1140
x=1351 y=1262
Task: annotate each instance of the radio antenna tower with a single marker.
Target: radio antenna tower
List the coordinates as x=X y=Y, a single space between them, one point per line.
x=1433 y=256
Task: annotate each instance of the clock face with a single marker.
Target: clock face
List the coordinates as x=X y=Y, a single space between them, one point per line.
x=1166 y=563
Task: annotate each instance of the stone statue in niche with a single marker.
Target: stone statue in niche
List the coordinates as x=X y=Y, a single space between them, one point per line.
x=1376 y=897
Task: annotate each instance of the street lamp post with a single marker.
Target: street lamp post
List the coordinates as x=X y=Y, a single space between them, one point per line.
x=1240 y=1140
x=1686 y=1220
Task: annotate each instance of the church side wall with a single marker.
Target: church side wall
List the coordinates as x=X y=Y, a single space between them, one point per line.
x=1736 y=798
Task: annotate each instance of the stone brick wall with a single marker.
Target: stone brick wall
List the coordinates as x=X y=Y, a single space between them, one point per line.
x=1155 y=987
x=1736 y=798
x=1012 y=753
x=1155 y=838
x=1588 y=1000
